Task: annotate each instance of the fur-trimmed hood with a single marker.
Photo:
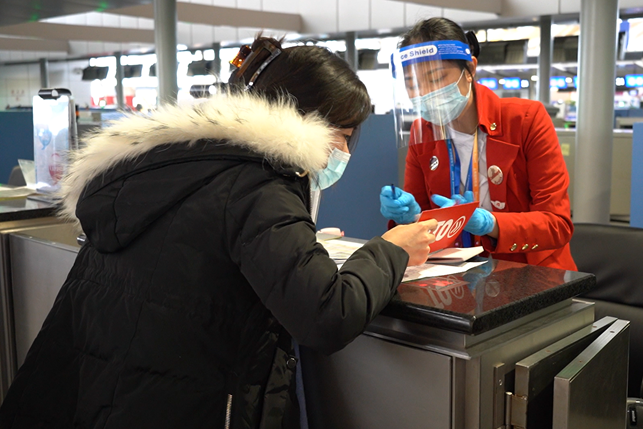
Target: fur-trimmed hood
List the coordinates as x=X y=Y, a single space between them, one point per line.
x=275 y=130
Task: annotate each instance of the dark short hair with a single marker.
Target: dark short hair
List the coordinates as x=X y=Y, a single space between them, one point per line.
x=442 y=29
x=315 y=78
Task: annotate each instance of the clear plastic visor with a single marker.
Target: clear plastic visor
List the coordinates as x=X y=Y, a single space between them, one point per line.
x=429 y=91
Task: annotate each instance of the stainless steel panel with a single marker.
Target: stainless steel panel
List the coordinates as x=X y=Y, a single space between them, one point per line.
x=466 y=346
x=375 y=384
x=472 y=385
x=7 y=345
x=40 y=261
x=499 y=395
x=62 y=235
x=534 y=377
x=367 y=385
x=8 y=363
x=505 y=345
x=458 y=392
x=512 y=347
x=591 y=392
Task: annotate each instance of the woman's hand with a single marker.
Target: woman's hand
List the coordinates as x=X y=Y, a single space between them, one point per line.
x=415 y=239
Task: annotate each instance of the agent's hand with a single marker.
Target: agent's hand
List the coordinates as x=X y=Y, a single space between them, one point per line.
x=401 y=207
x=414 y=238
x=481 y=222
x=443 y=202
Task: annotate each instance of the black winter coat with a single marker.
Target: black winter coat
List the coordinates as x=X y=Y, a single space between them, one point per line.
x=201 y=266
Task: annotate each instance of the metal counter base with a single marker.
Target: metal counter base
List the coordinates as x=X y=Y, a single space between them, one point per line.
x=35 y=257
x=405 y=375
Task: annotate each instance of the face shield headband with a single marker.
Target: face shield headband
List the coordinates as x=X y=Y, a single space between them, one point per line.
x=439 y=50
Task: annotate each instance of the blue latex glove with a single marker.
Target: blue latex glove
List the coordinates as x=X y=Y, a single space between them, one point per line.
x=481 y=222
x=444 y=202
x=401 y=208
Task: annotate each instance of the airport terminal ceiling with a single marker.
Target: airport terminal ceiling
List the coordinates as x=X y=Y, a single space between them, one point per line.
x=35 y=29
x=19 y=11
x=518 y=65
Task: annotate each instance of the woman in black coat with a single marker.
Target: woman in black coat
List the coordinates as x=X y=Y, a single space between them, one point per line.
x=202 y=264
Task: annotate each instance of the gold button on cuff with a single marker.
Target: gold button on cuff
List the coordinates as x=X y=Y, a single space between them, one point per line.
x=535 y=247
x=514 y=247
x=525 y=247
x=493 y=126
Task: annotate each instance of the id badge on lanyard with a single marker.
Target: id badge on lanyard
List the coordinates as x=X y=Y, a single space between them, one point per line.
x=472 y=183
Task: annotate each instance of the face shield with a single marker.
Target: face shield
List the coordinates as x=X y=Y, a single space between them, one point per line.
x=430 y=89
x=353 y=139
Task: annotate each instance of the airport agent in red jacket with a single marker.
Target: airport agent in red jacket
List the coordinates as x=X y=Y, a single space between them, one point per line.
x=524 y=213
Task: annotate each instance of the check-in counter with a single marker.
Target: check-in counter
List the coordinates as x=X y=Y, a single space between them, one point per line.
x=459 y=352
x=36 y=253
x=621 y=169
x=15 y=214
x=41 y=258
x=468 y=351
x=18 y=209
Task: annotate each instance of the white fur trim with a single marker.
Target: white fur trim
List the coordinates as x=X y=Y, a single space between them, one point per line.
x=276 y=130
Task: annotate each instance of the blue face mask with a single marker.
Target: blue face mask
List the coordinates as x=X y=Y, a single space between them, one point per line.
x=443 y=105
x=337 y=162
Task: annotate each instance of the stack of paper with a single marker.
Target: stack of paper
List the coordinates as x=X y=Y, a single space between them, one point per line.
x=19 y=192
x=340 y=250
x=454 y=254
x=434 y=270
x=29 y=174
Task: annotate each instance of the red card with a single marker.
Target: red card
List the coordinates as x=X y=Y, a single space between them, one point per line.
x=451 y=222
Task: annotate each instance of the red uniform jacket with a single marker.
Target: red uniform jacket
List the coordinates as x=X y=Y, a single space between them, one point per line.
x=531 y=204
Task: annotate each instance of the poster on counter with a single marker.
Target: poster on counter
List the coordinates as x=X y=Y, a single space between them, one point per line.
x=54 y=127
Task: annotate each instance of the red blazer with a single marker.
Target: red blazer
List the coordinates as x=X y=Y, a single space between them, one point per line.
x=531 y=204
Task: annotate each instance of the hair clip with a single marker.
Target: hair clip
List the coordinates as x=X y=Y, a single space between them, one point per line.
x=274 y=53
x=243 y=53
x=247 y=56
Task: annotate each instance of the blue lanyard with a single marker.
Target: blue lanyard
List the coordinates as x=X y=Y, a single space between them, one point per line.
x=454 y=167
x=454 y=164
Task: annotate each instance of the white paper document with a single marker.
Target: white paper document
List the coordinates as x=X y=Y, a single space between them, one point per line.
x=340 y=250
x=434 y=270
x=454 y=254
x=19 y=192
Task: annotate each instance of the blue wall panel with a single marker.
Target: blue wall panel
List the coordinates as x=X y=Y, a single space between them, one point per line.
x=636 y=192
x=353 y=204
x=16 y=140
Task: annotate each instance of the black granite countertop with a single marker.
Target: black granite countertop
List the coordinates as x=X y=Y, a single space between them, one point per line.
x=24 y=208
x=485 y=297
